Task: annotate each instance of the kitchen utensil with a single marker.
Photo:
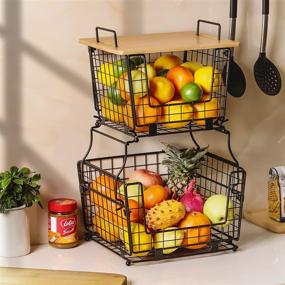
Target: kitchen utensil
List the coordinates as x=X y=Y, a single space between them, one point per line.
x=18 y=276
x=266 y=73
x=236 y=84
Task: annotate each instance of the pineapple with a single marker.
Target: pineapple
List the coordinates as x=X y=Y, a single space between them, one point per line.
x=165 y=214
x=182 y=166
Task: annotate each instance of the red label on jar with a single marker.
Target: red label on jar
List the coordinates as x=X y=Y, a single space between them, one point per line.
x=62 y=229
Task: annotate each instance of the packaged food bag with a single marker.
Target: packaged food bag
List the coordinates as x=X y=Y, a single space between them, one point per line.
x=276 y=193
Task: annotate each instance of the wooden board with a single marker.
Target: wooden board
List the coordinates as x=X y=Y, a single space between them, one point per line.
x=260 y=218
x=163 y=42
x=17 y=276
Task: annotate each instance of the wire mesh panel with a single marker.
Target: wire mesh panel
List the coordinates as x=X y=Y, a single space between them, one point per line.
x=159 y=93
x=117 y=213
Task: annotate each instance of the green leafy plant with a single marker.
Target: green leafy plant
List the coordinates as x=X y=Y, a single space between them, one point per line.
x=19 y=187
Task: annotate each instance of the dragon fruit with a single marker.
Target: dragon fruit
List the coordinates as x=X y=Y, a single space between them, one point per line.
x=192 y=200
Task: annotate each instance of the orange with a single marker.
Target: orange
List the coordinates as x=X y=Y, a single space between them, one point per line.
x=205 y=110
x=129 y=120
x=162 y=89
x=106 y=185
x=176 y=114
x=179 y=76
x=153 y=195
x=166 y=62
x=145 y=114
x=200 y=233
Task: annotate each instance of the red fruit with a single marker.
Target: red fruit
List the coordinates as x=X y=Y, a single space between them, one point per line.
x=146 y=178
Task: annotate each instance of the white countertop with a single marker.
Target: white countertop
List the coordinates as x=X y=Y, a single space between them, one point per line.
x=259 y=260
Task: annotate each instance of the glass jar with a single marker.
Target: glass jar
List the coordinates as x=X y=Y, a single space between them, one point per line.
x=62 y=223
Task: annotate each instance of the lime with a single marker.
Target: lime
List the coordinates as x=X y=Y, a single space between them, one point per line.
x=115 y=96
x=191 y=92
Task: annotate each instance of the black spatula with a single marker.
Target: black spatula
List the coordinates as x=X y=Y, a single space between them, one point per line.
x=236 y=84
x=266 y=73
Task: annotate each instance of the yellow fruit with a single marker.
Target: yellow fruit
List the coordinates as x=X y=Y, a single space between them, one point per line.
x=111 y=111
x=203 y=76
x=192 y=65
x=165 y=214
x=151 y=73
x=139 y=83
x=169 y=239
x=162 y=89
x=205 y=110
x=167 y=62
x=105 y=74
x=109 y=231
x=141 y=241
x=177 y=114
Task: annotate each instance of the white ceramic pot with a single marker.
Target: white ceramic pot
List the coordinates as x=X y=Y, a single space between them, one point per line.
x=14 y=233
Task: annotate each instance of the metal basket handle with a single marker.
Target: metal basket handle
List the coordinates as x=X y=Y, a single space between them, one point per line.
x=106 y=30
x=210 y=23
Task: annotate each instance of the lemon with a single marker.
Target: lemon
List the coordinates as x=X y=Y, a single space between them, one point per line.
x=111 y=111
x=167 y=62
x=105 y=74
x=192 y=65
x=169 y=240
x=177 y=114
x=109 y=231
x=141 y=241
x=151 y=73
x=203 y=77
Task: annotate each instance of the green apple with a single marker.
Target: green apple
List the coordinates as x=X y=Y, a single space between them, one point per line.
x=192 y=66
x=134 y=190
x=216 y=209
x=169 y=239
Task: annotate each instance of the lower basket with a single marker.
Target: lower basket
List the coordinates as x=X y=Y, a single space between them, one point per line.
x=114 y=212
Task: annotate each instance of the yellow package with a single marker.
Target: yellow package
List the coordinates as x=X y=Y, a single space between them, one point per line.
x=276 y=193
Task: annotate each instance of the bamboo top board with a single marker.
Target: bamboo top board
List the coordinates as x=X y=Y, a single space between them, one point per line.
x=17 y=276
x=162 y=42
x=260 y=218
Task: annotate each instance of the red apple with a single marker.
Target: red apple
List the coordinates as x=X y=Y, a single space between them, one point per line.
x=146 y=177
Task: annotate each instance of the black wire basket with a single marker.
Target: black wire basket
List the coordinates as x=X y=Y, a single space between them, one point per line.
x=127 y=97
x=110 y=214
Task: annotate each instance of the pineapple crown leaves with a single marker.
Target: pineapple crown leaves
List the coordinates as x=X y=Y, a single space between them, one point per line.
x=182 y=164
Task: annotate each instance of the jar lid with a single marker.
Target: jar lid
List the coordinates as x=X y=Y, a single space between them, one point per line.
x=62 y=205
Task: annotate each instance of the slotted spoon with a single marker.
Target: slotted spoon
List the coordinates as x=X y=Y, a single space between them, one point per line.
x=266 y=73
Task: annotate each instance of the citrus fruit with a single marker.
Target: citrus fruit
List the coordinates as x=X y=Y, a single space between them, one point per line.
x=108 y=230
x=150 y=70
x=139 y=84
x=205 y=110
x=114 y=96
x=166 y=62
x=169 y=239
x=111 y=111
x=162 y=89
x=129 y=119
x=191 y=92
x=204 y=77
x=105 y=74
x=119 y=67
x=134 y=190
x=179 y=76
x=198 y=236
x=146 y=114
x=153 y=195
x=176 y=114
x=142 y=242
x=192 y=65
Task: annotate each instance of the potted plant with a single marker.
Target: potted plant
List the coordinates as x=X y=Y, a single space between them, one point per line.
x=19 y=188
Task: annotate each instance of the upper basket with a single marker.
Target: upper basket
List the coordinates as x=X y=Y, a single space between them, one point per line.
x=144 y=85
